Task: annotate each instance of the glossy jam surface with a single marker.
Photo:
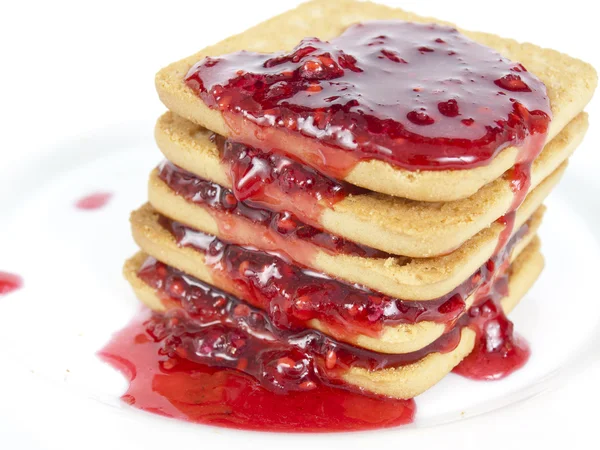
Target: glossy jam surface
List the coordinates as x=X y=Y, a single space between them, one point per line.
x=93 y=201
x=293 y=296
x=205 y=325
x=418 y=96
x=276 y=182
x=172 y=386
x=498 y=350
x=276 y=231
x=9 y=282
x=212 y=359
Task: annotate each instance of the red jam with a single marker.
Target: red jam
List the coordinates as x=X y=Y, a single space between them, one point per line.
x=417 y=96
x=175 y=387
x=498 y=350
x=93 y=201
x=293 y=296
x=9 y=282
x=212 y=359
x=205 y=325
x=279 y=183
x=276 y=231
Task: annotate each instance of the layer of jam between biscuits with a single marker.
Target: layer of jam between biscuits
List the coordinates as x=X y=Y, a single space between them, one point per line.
x=293 y=296
x=214 y=359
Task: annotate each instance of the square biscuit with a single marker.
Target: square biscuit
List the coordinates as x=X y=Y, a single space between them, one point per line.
x=392 y=224
x=570 y=84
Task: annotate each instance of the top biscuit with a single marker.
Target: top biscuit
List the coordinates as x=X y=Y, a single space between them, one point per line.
x=569 y=82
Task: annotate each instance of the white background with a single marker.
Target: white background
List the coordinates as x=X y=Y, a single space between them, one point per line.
x=71 y=67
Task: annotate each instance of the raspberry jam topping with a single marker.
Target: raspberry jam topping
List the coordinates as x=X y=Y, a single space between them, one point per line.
x=93 y=201
x=279 y=183
x=293 y=297
x=272 y=231
x=417 y=96
x=171 y=385
x=9 y=282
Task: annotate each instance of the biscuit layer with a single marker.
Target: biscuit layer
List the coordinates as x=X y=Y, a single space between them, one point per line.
x=414 y=379
x=391 y=224
x=405 y=381
x=158 y=242
x=570 y=84
x=398 y=276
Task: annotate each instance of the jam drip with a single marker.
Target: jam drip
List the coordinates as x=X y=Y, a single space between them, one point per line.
x=417 y=96
x=175 y=387
x=285 y=233
x=279 y=183
x=293 y=297
x=498 y=350
x=9 y=282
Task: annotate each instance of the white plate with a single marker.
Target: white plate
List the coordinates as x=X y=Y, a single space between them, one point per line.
x=62 y=73
x=74 y=296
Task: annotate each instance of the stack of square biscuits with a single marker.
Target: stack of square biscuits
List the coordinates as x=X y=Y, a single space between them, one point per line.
x=392 y=266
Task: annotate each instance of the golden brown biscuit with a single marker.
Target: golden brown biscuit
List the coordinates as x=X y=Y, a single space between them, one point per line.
x=570 y=84
x=391 y=224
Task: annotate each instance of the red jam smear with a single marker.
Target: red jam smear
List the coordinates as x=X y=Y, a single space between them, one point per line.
x=279 y=183
x=9 y=282
x=293 y=296
x=93 y=201
x=230 y=398
x=417 y=96
x=269 y=230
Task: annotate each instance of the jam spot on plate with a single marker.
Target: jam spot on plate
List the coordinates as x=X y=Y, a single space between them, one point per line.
x=93 y=201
